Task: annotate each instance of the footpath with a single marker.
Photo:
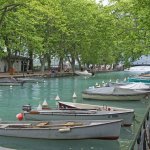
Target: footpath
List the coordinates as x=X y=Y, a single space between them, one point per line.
x=36 y=74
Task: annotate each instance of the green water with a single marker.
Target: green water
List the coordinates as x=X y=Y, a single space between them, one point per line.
x=12 y=100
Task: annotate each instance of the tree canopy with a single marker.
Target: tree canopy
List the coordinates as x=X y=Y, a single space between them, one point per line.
x=83 y=30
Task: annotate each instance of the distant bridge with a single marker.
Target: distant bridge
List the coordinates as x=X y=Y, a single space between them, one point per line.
x=142 y=61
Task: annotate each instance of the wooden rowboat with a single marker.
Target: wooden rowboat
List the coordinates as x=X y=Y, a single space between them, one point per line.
x=102 y=129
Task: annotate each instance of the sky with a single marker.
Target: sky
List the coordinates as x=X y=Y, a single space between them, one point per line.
x=105 y=2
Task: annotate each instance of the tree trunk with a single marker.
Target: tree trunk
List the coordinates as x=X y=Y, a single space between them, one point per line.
x=10 y=63
x=31 y=60
x=42 y=61
x=49 y=62
x=79 y=63
x=73 y=64
x=61 y=64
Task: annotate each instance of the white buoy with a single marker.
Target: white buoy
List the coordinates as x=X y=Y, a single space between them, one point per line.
x=10 y=86
x=45 y=103
x=110 y=80
x=103 y=82
x=39 y=107
x=96 y=84
x=57 y=98
x=125 y=79
x=74 y=95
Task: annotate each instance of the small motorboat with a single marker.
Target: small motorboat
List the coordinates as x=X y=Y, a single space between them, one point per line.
x=115 y=93
x=145 y=74
x=83 y=73
x=132 y=85
x=10 y=82
x=138 y=69
x=29 y=80
x=139 y=79
x=62 y=129
x=121 y=113
x=85 y=106
x=74 y=113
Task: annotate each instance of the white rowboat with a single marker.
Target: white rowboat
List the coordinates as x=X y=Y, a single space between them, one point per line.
x=83 y=73
x=102 y=129
x=121 y=113
x=78 y=114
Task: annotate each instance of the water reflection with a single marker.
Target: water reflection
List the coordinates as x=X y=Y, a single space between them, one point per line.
x=30 y=144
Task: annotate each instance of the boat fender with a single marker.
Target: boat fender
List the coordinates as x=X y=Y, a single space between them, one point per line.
x=19 y=116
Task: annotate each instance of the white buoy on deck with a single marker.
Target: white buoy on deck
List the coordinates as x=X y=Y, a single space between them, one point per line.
x=57 y=98
x=103 y=81
x=98 y=86
x=39 y=107
x=74 y=95
x=45 y=103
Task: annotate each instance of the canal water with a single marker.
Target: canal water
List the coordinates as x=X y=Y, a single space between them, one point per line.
x=13 y=98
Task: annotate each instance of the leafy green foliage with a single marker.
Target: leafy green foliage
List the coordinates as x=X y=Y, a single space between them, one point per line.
x=71 y=29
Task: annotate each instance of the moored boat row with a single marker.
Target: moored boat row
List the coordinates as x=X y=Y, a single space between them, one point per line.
x=76 y=120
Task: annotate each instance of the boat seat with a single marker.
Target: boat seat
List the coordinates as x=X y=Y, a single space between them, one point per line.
x=4 y=125
x=41 y=124
x=13 y=125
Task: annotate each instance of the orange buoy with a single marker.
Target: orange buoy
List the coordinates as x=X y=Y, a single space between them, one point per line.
x=19 y=116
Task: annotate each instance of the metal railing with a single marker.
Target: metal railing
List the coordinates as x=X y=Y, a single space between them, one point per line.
x=141 y=140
